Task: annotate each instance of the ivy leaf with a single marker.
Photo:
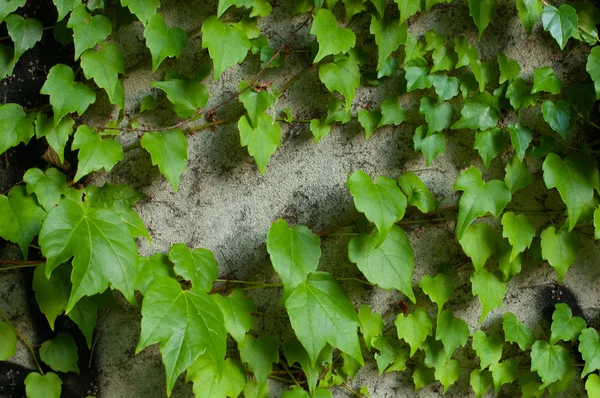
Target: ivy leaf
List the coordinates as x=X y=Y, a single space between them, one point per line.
x=478 y=242
x=60 y=354
x=47 y=386
x=592 y=386
x=520 y=95
x=438 y=289
x=143 y=9
x=423 y=376
x=520 y=137
x=435 y=356
x=417 y=75
x=369 y=120
x=509 y=68
x=294 y=252
x=319 y=129
x=544 y=79
x=481 y=381
x=64 y=7
x=52 y=294
x=256 y=103
x=483 y=12
x=225 y=4
x=490 y=289
x=321 y=312
x=262 y=141
x=342 y=76
x=95 y=153
x=389 y=351
x=408 y=8
x=445 y=87
x=66 y=95
x=589 y=347
x=479 y=112
x=389 y=265
x=558 y=116
x=332 y=39
x=508 y=267
x=9 y=341
x=489 y=144
x=565 y=326
x=488 y=348
x=389 y=34
x=56 y=137
x=22 y=218
x=453 y=332
x=237 y=311
x=371 y=324
x=15 y=126
x=519 y=231
x=208 y=383
x=295 y=352
x=381 y=201
x=517 y=175
x=551 y=362
x=479 y=198
x=575 y=178
x=482 y=71
x=391 y=113
x=9 y=6
x=104 y=66
x=443 y=59
x=414 y=328
x=466 y=51
x=438 y=116
x=417 y=192
x=503 y=373
x=7 y=62
x=48 y=187
x=164 y=42
x=227 y=44
x=593 y=68
x=85 y=312
x=559 y=249
x=149 y=269
x=430 y=144
x=187 y=323
x=414 y=50
x=168 y=150
x=259 y=353
x=23 y=32
x=295 y=392
x=88 y=30
x=187 y=96
x=529 y=12
x=530 y=384
x=516 y=331
x=561 y=22
x=448 y=373
x=198 y=266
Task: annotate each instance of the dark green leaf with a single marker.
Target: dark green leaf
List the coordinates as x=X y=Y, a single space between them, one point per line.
x=259 y=353
x=561 y=22
x=60 y=354
x=483 y=12
x=88 y=30
x=430 y=144
x=529 y=12
x=22 y=218
x=438 y=116
x=558 y=116
x=23 y=32
x=520 y=137
x=509 y=68
x=517 y=175
x=544 y=79
x=479 y=112
x=389 y=34
x=516 y=331
x=15 y=126
x=489 y=144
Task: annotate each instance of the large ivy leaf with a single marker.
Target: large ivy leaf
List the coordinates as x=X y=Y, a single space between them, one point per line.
x=15 y=126
x=48 y=187
x=168 y=150
x=88 y=30
x=389 y=34
x=259 y=353
x=262 y=141
x=47 y=386
x=227 y=44
x=23 y=32
x=560 y=249
x=558 y=116
x=60 y=353
x=509 y=68
x=104 y=66
x=197 y=266
x=430 y=145
x=561 y=22
x=551 y=362
x=453 y=332
x=438 y=116
x=9 y=341
x=321 y=312
x=163 y=41
x=529 y=12
x=143 y=9
x=208 y=383
x=414 y=328
x=483 y=12
x=479 y=198
x=490 y=290
x=9 y=6
x=390 y=265
x=381 y=201
x=186 y=323
x=519 y=231
x=95 y=153
x=489 y=144
x=237 y=312
x=593 y=68
x=294 y=252
x=342 y=76
x=516 y=331
x=520 y=137
x=66 y=95
x=565 y=326
x=575 y=178
x=102 y=248
x=479 y=112
x=438 y=289
x=417 y=192
x=332 y=39
x=488 y=348
x=371 y=324
x=544 y=79
x=589 y=347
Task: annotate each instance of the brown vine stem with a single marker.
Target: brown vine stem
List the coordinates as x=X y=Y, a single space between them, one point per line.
x=354 y=392
x=24 y=340
x=285 y=367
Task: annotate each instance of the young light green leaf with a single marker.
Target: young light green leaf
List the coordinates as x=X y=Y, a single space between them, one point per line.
x=516 y=331
x=438 y=116
x=453 y=332
x=168 y=150
x=225 y=4
x=520 y=95
x=529 y=12
x=48 y=187
x=23 y=32
x=319 y=129
x=95 y=153
x=488 y=348
x=332 y=39
x=448 y=373
x=508 y=267
x=414 y=49
x=490 y=289
x=143 y=9
x=592 y=386
x=15 y=126
x=56 y=137
x=208 y=383
x=479 y=198
x=565 y=326
x=435 y=356
x=489 y=144
x=149 y=269
x=509 y=68
x=481 y=381
x=381 y=201
x=478 y=242
x=561 y=22
x=503 y=373
x=369 y=120
x=104 y=66
x=551 y=362
x=391 y=113
x=227 y=44
x=438 y=289
x=237 y=311
x=479 y=112
x=544 y=79
x=321 y=312
x=262 y=141
x=197 y=266
x=164 y=42
x=560 y=249
x=417 y=192
x=520 y=137
x=558 y=116
x=389 y=351
x=60 y=354
x=575 y=178
x=259 y=353
x=430 y=144
x=389 y=34
x=9 y=6
x=256 y=102
x=483 y=12
x=342 y=76
x=414 y=328
x=47 y=386
x=8 y=348
x=443 y=59
x=482 y=71
x=88 y=30
x=445 y=87
x=295 y=392
x=589 y=347
x=466 y=52
x=389 y=265
x=593 y=68
x=417 y=75
x=371 y=324
x=408 y=8
x=66 y=95
x=517 y=174
x=519 y=231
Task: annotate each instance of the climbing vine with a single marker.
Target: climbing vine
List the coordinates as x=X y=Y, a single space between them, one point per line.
x=83 y=238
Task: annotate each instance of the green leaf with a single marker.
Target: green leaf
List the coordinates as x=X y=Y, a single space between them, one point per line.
x=47 y=386
x=254 y=389
x=503 y=373
x=391 y=113
x=479 y=198
x=520 y=95
x=430 y=144
x=7 y=62
x=592 y=386
x=256 y=103
x=371 y=324
x=544 y=79
x=389 y=34
x=466 y=52
x=529 y=12
x=8 y=6
x=197 y=266
x=435 y=356
x=565 y=326
x=15 y=126
x=164 y=42
x=102 y=248
x=453 y=332
x=508 y=267
x=381 y=201
x=516 y=331
x=389 y=265
x=48 y=187
x=85 y=312
x=488 y=348
x=186 y=323
x=149 y=269
x=369 y=120
x=60 y=354
x=350 y=368
x=422 y=376
x=168 y=150
x=483 y=12
x=417 y=75
x=319 y=129
x=414 y=50
x=482 y=71
x=208 y=383
x=575 y=178
x=52 y=294
x=95 y=153
x=443 y=59
x=448 y=373
x=56 y=137
x=519 y=231
x=531 y=384
x=582 y=98
x=332 y=39
x=560 y=249
x=438 y=289
x=408 y=8
x=389 y=352
x=262 y=141
x=478 y=242
x=321 y=312
x=593 y=68
x=65 y=6
x=143 y=9
x=295 y=352
x=414 y=328
x=342 y=76
x=22 y=218
x=295 y=392
x=551 y=362
x=23 y=32
x=237 y=312
x=479 y=112
x=66 y=95
x=445 y=87
x=259 y=353
x=509 y=68
x=520 y=137
x=104 y=66
x=225 y=4
x=490 y=289
x=148 y=104
x=481 y=381
x=9 y=341
x=558 y=116
x=227 y=44
x=597 y=223
x=561 y=22
x=517 y=175
x=88 y=30
x=438 y=116
x=417 y=192
x=489 y=144
x=589 y=347
x=294 y=252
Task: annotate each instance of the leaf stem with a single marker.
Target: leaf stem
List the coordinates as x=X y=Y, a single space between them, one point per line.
x=355 y=393
x=24 y=340
x=262 y=286
x=285 y=367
